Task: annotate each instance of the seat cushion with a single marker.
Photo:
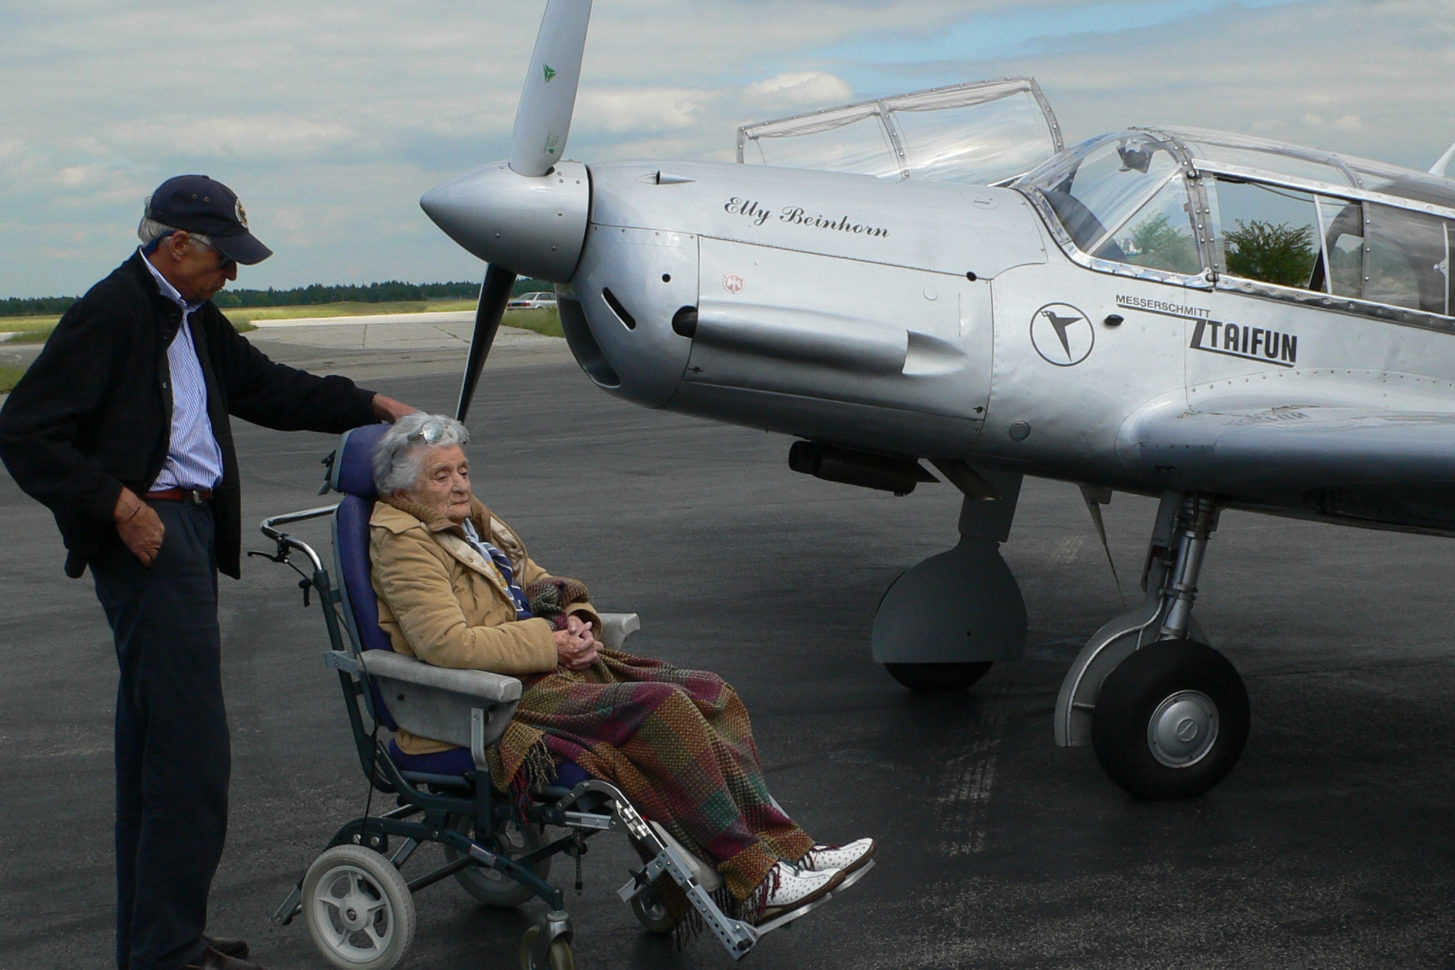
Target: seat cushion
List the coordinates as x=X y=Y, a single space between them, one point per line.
x=457 y=761
x=451 y=761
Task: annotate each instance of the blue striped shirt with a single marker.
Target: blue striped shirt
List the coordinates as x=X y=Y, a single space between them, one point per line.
x=194 y=459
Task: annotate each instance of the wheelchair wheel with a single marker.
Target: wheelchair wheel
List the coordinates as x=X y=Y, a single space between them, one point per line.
x=489 y=886
x=652 y=913
x=358 y=909
x=559 y=957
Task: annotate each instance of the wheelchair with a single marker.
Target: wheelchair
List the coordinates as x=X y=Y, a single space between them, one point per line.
x=354 y=898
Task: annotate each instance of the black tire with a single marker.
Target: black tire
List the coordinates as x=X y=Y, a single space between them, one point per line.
x=490 y=886
x=938 y=678
x=358 y=909
x=652 y=913
x=1171 y=720
x=558 y=957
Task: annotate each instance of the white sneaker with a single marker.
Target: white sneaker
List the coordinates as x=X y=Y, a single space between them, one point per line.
x=787 y=887
x=845 y=857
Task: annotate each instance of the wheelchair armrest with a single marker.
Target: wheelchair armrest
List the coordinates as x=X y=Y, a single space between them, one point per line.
x=470 y=708
x=616 y=627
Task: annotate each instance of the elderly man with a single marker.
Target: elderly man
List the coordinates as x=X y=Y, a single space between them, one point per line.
x=121 y=428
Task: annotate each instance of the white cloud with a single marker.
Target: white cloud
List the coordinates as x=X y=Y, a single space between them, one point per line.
x=633 y=111
x=330 y=119
x=800 y=89
x=78 y=176
x=264 y=138
x=1341 y=123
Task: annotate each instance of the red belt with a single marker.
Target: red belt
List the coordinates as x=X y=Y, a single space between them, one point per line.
x=197 y=496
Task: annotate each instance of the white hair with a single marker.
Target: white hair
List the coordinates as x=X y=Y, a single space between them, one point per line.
x=150 y=230
x=399 y=455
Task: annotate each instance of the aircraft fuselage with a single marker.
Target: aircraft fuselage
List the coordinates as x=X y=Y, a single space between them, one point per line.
x=943 y=322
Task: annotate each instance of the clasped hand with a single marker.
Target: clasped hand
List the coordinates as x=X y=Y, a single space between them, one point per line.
x=577 y=646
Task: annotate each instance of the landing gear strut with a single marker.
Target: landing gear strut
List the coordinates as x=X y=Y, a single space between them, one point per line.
x=1167 y=714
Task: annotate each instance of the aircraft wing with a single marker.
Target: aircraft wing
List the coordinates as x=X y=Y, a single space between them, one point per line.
x=1391 y=468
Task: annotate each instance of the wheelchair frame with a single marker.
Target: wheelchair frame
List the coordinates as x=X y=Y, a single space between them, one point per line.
x=357 y=904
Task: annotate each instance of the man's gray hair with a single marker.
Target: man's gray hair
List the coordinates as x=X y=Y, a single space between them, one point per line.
x=150 y=230
x=399 y=455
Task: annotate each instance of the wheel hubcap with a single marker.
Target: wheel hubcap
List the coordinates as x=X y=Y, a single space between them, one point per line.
x=359 y=924
x=1183 y=729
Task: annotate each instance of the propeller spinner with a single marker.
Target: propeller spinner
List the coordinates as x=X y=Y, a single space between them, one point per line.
x=527 y=215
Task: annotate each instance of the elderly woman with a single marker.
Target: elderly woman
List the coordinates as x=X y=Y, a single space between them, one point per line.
x=456 y=588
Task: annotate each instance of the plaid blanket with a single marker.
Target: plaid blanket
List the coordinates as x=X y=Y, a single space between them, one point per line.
x=677 y=742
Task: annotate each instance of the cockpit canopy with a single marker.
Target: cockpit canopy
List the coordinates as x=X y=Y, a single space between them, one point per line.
x=1196 y=207
x=984 y=133
x=1253 y=214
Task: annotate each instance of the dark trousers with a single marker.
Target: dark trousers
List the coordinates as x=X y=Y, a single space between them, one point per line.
x=172 y=752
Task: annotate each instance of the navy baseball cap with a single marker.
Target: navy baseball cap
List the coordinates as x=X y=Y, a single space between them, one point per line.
x=199 y=204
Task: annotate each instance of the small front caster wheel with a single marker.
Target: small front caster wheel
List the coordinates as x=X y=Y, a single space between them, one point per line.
x=1171 y=720
x=652 y=913
x=558 y=957
x=358 y=909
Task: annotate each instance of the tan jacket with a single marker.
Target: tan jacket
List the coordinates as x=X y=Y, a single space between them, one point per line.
x=443 y=602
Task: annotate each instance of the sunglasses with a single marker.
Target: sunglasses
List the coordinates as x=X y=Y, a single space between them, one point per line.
x=224 y=261
x=432 y=432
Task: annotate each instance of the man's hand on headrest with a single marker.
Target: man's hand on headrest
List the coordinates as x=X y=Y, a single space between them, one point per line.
x=388 y=409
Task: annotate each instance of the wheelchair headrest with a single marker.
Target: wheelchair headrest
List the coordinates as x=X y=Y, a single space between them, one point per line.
x=353 y=466
x=353 y=475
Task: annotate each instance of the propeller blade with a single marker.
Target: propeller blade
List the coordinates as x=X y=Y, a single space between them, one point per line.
x=543 y=117
x=494 y=294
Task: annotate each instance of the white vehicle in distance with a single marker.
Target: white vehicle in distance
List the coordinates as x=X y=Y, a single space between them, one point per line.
x=532 y=301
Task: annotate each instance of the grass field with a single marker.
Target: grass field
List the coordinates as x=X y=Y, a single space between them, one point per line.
x=547 y=322
x=37 y=329
x=28 y=330
x=253 y=314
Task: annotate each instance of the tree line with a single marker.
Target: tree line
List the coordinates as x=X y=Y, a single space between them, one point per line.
x=392 y=291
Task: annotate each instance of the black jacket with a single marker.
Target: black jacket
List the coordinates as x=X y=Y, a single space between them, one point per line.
x=94 y=411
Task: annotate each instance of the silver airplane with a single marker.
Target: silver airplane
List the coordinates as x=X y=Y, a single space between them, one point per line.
x=1216 y=320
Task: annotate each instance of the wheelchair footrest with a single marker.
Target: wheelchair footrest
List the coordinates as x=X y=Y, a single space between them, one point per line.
x=666 y=857
x=669 y=858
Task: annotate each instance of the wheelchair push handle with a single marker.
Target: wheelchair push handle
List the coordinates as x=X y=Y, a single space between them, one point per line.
x=285 y=542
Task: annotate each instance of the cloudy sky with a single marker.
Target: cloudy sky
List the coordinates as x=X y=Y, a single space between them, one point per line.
x=330 y=120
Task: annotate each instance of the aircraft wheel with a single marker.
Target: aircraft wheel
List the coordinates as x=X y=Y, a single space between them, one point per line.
x=652 y=914
x=358 y=909
x=558 y=957
x=938 y=678
x=490 y=886
x=1171 y=720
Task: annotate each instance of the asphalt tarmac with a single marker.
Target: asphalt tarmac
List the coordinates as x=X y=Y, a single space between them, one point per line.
x=1329 y=846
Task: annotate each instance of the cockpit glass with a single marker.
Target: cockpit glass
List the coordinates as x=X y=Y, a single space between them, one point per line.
x=1277 y=216
x=1118 y=198
x=1271 y=234
x=987 y=133
x=855 y=143
x=981 y=144
x=1285 y=163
